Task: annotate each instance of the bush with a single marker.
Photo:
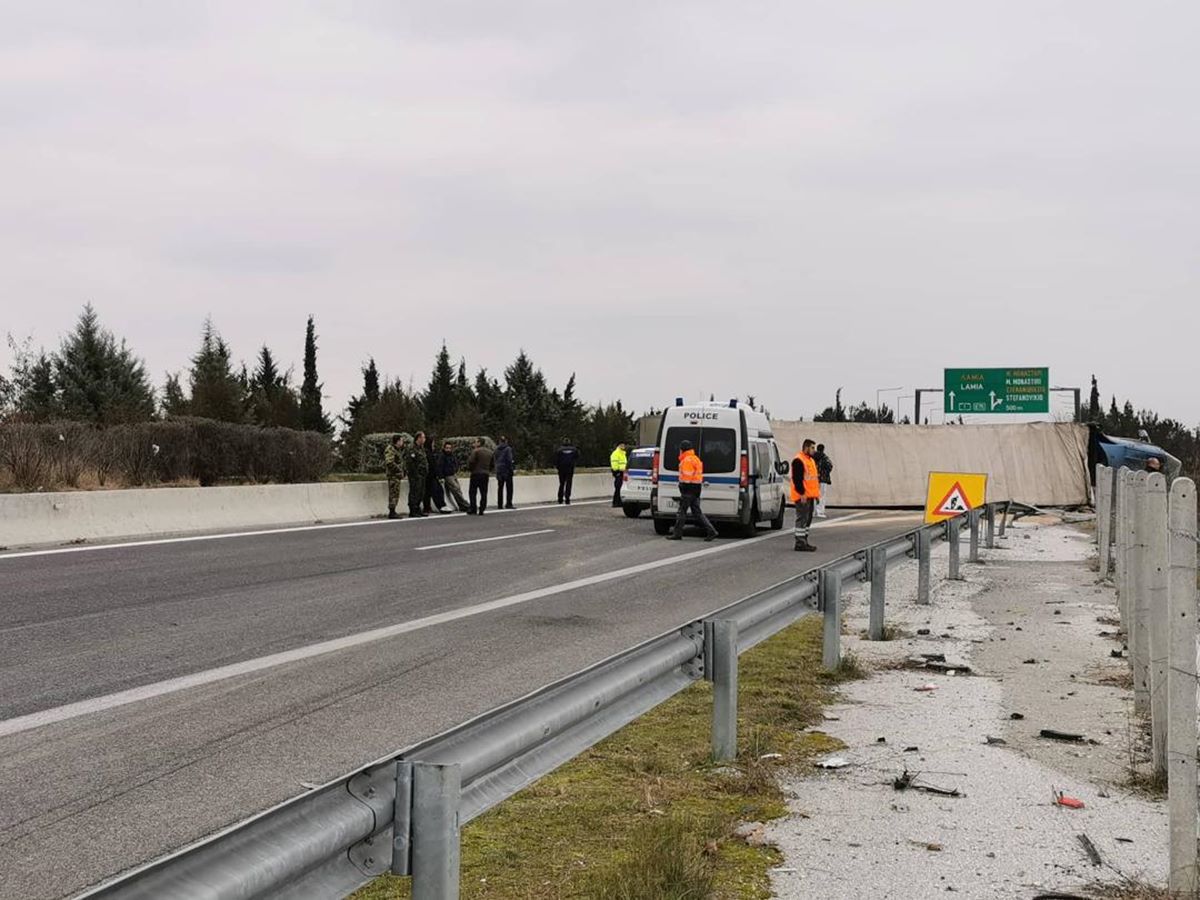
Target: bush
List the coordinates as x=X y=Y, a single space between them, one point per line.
x=371 y=448
x=59 y=454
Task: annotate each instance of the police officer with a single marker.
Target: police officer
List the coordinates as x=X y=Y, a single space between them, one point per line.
x=416 y=466
x=393 y=468
x=691 y=481
x=806 y=491
x=565 y=459
x=618 y=462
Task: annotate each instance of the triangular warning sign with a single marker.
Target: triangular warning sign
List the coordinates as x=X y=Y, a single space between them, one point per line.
x=953 y=503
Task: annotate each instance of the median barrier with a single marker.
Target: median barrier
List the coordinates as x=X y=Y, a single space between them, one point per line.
x=76 y=516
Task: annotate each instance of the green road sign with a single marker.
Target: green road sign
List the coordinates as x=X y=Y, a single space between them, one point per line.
x=996 y=391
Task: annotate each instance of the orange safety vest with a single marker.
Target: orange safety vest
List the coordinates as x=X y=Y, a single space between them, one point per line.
x=812 y=481
x=691 y=470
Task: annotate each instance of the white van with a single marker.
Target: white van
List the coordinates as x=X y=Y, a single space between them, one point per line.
x=745 y=481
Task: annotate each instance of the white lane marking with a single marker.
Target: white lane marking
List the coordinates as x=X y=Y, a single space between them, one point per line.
x=197 y=679
x=502 y=537
x=227 y=535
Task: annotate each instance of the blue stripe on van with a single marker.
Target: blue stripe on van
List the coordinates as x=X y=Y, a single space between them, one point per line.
x=711 y=479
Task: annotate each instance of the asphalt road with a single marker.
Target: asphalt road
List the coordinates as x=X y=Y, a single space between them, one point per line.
x=153 y=693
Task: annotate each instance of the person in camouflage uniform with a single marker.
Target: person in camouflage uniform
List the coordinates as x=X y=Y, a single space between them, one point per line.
x=416 y=467
x=393 y=467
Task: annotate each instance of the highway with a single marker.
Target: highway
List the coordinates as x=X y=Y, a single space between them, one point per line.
x=152 y=693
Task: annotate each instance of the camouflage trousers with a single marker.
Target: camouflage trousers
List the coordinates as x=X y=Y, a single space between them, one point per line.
x=393 y=491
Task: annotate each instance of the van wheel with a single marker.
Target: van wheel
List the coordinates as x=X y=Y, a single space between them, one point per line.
x=662 y=526
x=777 y=522
x=749 y=529
x=631 y=510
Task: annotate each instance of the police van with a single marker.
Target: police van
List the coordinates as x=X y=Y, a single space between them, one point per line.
x=637 y=486
x=745 y=481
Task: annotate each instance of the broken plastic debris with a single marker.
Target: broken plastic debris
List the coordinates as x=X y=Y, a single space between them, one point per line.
x=1061 y=799
x=926 y=687
x=833 y=762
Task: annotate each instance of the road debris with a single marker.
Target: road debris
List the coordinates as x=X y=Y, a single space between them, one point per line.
x=926 y=688
x=833 y=762
x=1066 y=736
x=1092 y=851
x=995 y=741
x=910 y=781
x=1061 y=799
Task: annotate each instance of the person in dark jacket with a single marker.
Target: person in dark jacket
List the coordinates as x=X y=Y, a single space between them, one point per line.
x=565 y=459
x=825 y=475
x=447 y=471
x=434 y=496
x=480 y=464
x=416 y=467
x=505 y=469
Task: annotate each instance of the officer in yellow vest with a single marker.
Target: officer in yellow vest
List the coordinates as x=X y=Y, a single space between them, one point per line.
x=618 y=462
x=806 y=491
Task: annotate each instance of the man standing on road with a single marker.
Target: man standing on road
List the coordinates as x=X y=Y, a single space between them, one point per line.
x=564 y=460
x=480 y=464
x=416 y=467
x=691 y=482
x=806 y=491
x=505 y=469
x=447 y=470
x=618 y=462
x=393 y=468
x=824 y=475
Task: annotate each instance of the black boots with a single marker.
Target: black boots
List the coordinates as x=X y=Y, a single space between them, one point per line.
x=392 y=513
x=802 y=544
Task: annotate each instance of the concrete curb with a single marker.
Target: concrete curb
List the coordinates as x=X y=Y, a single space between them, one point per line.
x=72 y=516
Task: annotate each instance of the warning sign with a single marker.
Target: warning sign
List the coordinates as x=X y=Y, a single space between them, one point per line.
x=953 y=493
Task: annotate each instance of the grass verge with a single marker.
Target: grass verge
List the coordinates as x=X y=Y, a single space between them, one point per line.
x=646 y=814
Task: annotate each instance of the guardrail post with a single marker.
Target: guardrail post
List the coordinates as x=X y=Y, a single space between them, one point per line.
x=830 y=587
x=877 y=563
x=953 y=527
x=1121 y=530
x=724 y=677
x=973 y=523
x=924 y=542
x=1104 y=503
x=437 y=792
x=1156 y=602
x=1181 y=691
x=1004 y=517
x=1140 y=639
x=989 y=515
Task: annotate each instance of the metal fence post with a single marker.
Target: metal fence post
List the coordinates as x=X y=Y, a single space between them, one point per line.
x=989 y=514
x=437 y=792
x=1140 y=643
x=924 y=552
x=1104 y=498
x=973 y=524
x=1156 y=602
x=831 y=605
x=725 y=689
x=1004 y=517
x=953 y=526
x=877 y=565
x=1181 y=690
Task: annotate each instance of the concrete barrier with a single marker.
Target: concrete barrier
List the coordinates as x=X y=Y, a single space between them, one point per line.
x=1042 y=463
x=72 y=516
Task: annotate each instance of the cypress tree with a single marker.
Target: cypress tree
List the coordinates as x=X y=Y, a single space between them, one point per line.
x=98 y=379
x=312 y=415
x=1095 y=412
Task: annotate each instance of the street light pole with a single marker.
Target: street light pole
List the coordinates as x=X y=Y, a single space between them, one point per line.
x=878 y=404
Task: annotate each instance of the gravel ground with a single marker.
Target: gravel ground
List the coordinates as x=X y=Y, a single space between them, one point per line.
x=1025 y=621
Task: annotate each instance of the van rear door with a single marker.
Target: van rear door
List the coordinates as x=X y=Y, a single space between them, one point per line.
x=717 y=447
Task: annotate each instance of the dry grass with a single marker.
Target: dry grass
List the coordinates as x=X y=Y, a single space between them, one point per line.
x=646 y=814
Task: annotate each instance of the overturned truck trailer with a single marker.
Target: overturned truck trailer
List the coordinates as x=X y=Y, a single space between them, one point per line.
x=1042 y=463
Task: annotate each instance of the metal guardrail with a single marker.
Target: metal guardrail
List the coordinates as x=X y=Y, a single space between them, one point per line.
x=403 y=814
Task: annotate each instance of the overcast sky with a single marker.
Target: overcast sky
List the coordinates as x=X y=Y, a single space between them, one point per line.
x=768 y=198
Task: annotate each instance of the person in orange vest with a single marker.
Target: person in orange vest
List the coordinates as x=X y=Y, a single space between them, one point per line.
x=806 y=491
x=691 y=480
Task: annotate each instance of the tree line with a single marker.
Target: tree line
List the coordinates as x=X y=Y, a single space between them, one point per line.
x=96 y=379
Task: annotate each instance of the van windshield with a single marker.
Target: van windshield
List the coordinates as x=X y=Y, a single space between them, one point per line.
x=716 y=447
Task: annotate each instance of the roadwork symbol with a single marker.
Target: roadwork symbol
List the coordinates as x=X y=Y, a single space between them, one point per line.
x=953 y=493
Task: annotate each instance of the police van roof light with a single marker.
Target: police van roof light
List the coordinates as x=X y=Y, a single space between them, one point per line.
x=733 y=403
x=679 y=401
